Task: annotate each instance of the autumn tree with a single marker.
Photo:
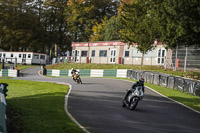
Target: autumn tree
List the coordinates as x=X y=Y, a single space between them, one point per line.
x=107 y=30
x=82 y=15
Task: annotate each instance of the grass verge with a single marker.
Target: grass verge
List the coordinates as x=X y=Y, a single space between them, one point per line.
x=20 y=66
x=37 y=107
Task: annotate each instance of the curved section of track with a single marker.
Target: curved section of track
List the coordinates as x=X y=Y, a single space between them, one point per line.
x=96 y=105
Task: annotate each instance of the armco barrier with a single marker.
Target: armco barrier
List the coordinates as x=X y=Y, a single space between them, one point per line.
x=156 y=78
x=165 y=80
x=189 y=86
x=149 y=76
x=197 y=89
x=179 y=83
x=3 y=108
x=130 y=74
x=171 y=82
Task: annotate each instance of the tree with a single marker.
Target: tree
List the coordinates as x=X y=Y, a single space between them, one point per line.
x=56 y=25
x=138 y=25
x=107 y=30
x=82 y=15
x=179 y=22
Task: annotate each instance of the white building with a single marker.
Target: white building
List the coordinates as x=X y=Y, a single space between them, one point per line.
x=23 y=57
x=115 y=52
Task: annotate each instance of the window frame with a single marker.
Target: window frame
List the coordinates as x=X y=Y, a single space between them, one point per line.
x=93 y=53
x=105 y=52
x=84 y=53
x=128 y=53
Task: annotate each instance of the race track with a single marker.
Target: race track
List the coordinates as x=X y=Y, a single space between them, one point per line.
x=96 y=105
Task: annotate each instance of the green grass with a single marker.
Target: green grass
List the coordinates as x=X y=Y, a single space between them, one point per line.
x=20 y=66
x=67 y=66
x=177 y=95
x=37 y=107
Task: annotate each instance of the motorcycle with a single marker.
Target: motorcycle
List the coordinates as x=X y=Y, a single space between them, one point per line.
x=77 y=78
x=133 y=98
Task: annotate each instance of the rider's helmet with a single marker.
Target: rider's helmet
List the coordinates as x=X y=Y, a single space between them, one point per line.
x=141 y=81
x=72 y=70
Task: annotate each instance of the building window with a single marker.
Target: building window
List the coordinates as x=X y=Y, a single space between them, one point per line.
x=29 y=55
x=84 y=53
x=93 y=53
x=20 y=55
x=24 y=55
x=0 y=54
x=11 y=55
x=4 y=55
x=126 y=54
x=42 y=56
x=161 y=56
x=36 y=56
x=102 y=53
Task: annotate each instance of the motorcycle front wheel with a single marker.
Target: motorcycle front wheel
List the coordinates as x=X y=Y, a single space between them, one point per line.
x=134 y=103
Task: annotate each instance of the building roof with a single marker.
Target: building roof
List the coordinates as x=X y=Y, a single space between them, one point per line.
x=100 y=43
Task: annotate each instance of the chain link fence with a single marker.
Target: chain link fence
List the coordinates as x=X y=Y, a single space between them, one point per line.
x=184 y=58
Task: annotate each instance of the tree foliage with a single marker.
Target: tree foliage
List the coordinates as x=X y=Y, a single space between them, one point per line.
x=107 y=30
x=82 y=15
x=32 y=25
x=179 y=22
x=138 y=25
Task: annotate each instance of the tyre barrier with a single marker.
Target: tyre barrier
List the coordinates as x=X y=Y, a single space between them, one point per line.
x=90 y=72
x=3 y=90
x=165 y=80
x=9 y=73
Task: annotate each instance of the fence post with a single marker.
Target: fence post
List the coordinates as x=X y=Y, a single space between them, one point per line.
x=186 y=54
x=176 y=59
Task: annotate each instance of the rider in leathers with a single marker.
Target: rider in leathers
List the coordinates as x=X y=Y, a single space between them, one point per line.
x=73 y=71
x=136 y=84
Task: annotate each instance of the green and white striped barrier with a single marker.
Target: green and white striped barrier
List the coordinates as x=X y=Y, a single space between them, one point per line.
x=8 y=73
x=90 y=72
x=2 y=110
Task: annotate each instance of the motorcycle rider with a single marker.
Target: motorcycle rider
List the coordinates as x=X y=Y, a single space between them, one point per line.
x=136 y=84
x=73 y=71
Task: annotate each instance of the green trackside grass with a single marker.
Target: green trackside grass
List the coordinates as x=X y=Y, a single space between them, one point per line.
x=20 y=66
x=177 y=95
x=37 y=107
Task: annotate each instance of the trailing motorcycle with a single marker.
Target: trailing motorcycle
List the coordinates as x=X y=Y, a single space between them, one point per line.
x=133 y=98
x=77 y=78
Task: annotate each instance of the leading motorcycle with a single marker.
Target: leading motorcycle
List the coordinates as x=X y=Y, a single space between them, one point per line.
x=77 y=78
x=133 y=98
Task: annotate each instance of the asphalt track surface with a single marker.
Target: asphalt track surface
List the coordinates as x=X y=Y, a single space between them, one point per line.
x=96 y=105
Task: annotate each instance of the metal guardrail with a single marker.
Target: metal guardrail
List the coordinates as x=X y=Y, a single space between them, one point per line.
x=166 y=80
x=3 y=90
